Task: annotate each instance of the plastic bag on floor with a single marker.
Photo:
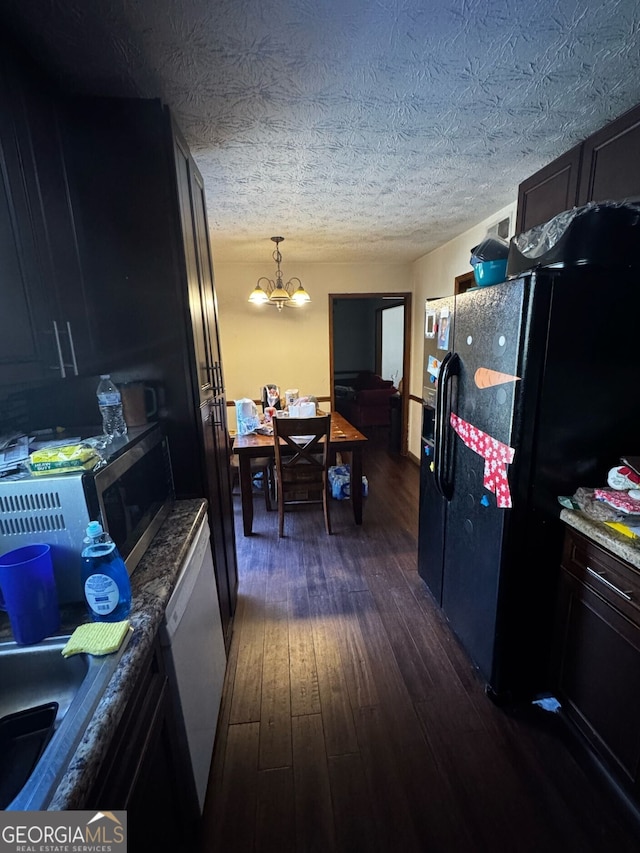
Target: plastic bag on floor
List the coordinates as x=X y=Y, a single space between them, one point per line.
x=340 y=482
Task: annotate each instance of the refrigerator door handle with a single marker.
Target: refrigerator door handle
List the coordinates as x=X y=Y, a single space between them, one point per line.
x=439 y=426
x=445 y=456
x=438 y=430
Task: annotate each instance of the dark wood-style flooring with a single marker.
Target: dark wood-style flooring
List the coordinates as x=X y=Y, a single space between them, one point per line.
x=353 y=721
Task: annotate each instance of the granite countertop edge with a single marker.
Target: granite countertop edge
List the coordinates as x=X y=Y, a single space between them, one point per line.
x=622 y=546
x=152 y=583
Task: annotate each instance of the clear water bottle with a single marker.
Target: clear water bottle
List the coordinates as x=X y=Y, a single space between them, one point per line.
x=105 y=579
x=110 y=403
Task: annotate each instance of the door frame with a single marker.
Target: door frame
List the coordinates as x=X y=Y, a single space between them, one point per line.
x=406 y=297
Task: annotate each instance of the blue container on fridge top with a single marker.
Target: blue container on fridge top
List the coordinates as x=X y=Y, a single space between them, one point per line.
x=490 y=272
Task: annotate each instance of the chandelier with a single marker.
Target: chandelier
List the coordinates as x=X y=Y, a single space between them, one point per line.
x=277 y=292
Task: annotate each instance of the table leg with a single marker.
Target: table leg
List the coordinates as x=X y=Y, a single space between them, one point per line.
x=356 y=484
x=246 y=493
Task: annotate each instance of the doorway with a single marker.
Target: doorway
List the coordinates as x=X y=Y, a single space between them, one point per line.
x=371 y=332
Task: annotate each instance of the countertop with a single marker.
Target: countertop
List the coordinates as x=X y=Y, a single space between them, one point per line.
x=152 y=583
x=619 y=544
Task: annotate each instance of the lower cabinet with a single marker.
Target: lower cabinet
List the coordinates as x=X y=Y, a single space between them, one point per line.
x=147 y=770
x=223 y=543
x=598 y=654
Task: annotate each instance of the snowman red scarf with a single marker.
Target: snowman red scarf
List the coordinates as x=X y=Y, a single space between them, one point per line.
x=496 y=457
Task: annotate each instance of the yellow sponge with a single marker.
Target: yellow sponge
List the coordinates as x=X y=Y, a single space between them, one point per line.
x=622 y=528
x=97 y=638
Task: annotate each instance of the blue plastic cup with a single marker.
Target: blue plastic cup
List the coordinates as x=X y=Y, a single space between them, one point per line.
x=28 y=593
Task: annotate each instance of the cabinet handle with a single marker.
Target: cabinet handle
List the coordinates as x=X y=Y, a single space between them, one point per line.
x=60 y=365
x=207 y=385
x=214 y=383
x=218 y=370
x=73 y=349
x=215 y=414
x=600 y=577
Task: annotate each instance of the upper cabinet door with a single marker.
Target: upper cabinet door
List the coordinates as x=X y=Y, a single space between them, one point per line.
x=32 y=344
x=550 y=191
x=119 y=165
x=19 y=350
x=605 y=167
x=205 y=263
x=53 y=223
x=196 y=293
x=610 y=161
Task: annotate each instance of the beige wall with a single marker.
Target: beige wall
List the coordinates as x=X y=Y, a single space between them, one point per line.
x=290 y=348
x=433 y=275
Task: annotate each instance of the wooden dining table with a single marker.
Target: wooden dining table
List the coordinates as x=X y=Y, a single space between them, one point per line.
x=345 y=438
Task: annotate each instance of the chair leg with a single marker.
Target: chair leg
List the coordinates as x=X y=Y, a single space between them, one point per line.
x=266 y=488
x=272 y=487
x=272 y=482
x=325 y=506
x=280 y=512
x=235 y=478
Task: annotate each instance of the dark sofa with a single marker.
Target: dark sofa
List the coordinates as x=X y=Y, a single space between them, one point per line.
x=370 y=403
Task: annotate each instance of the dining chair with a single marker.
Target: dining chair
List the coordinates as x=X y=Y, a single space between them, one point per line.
x=302 y=464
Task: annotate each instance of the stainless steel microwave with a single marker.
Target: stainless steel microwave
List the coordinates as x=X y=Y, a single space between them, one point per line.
x=131 y=496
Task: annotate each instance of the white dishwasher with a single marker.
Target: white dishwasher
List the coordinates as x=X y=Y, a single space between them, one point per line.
x=195 y=656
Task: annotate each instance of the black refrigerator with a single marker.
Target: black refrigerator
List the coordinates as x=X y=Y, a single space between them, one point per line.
x=530 y=390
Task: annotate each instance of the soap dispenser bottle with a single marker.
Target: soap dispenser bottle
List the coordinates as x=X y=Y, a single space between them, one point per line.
x=105 y=579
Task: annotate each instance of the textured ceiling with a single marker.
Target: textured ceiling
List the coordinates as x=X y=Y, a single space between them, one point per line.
x=358 y=129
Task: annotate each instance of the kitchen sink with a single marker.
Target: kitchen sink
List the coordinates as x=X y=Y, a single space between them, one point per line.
x=36 y=677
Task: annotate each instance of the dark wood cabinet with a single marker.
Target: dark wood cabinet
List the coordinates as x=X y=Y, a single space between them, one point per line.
x=208 y=370
x=205 y=264
x=214 y=428
x=598 y=654
x=610 y=163
x=47 y=333
x=225 y=522
x=549 y=191
x=218 y=468
x=30 y=347
x=144 y=241
x=20 y=355
x=197 y=285
x=147 y=771
x=107 y=268
x=122 y=196
x=604 y=167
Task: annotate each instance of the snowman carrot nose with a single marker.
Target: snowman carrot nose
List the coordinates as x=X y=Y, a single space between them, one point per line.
x=485 y=378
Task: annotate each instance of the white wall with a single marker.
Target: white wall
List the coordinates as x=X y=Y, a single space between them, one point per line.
x=434 y=275
x=290 y=348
